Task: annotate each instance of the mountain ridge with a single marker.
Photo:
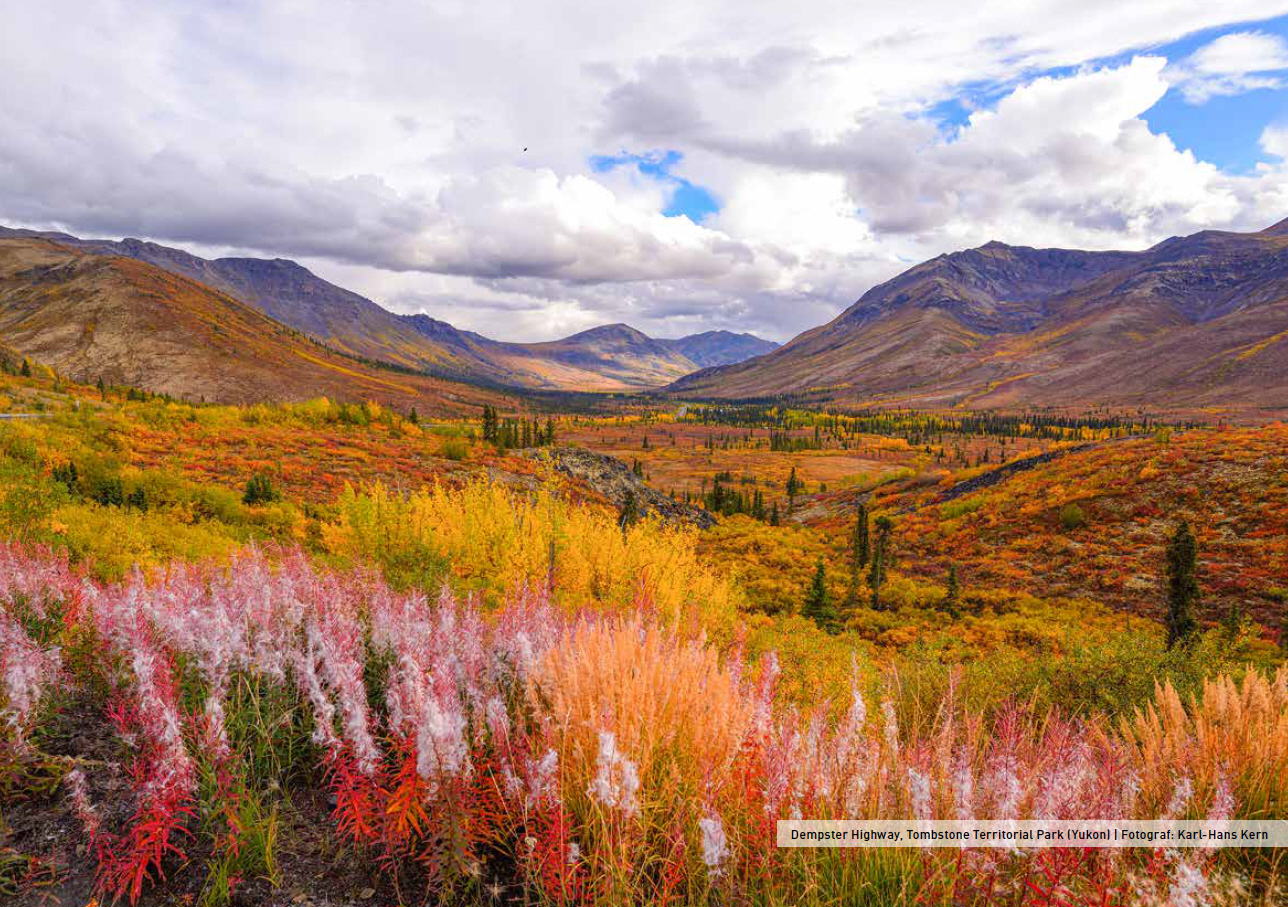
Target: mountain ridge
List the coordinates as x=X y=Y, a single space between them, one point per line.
x=350 y=323
x=1192 y=322
x=92 y=316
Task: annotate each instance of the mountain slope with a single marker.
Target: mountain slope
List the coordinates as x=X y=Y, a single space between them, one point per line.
x=720 y=347
x=619 y=353
x=1194 y=322
x=606 y=358
x=91 y=315
x=295 y=296
x=350 y=323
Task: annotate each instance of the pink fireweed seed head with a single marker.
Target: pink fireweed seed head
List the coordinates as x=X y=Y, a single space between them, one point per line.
x=441 y=748
x=543 y=780
x=781 y=749
x=1189 y=886
x=857 y=716
x=855 y=787
x=849 y=738
x=511 y=785
x=815 y=774
x=919 y=794
x=763 y=715
x=1009 y=792
x=334 y=633
x=1128 y=792
x=81 y=804
x=214 y=732
x=498 y=719
x=323 y=711
x=963 y=786
x=529 y=626
x=891 y=728
x=37 y=575
x=1222 y=808
x=1182 y=793
x=616 y=780
x=1063 y=785
x=25 y=672
x=715 y=849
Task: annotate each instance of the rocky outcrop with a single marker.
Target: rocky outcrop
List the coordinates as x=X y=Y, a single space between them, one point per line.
x=612 y=479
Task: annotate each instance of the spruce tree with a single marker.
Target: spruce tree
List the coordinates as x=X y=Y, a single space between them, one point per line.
x=818 y=604
x=774 y=519
x=953 y=593
x=793 y=486
x=861 y=543
x=859 y=554
x=880 y=559
x=25 y=371
x=1182 y=586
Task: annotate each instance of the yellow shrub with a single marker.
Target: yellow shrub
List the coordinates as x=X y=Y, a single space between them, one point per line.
x=817 y=666
x=114 y=540
x=493 y=538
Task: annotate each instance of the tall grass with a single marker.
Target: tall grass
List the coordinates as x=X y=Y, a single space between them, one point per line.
x=556 y=755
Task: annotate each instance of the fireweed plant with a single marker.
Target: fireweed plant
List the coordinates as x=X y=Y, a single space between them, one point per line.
x=555 y=757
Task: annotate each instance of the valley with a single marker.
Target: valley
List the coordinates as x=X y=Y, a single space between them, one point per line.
x=179 y=448
x=684 y=454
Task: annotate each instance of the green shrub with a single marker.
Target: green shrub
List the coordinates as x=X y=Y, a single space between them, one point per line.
x=1072 y=517
x=453 y=449
x=962 y=506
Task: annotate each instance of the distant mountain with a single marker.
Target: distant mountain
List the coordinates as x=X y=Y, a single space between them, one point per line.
x=129 y=322
x=619 y=353
x=720 y=347
x=602 y=359
x=1197 y=322
x=293 y=295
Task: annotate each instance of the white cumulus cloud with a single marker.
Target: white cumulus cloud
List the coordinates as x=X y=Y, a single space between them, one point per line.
x=384 y=146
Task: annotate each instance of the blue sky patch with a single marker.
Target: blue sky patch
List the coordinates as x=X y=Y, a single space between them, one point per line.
x=683 y=197
x=1223 y=130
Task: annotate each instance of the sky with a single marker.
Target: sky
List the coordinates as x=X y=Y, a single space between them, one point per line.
x=532 y=169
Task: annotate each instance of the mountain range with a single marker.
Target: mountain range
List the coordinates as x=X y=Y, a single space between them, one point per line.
x=609 y=358
x=1194 y=323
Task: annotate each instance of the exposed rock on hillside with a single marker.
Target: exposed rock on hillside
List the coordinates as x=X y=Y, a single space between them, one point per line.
x=613 y=479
